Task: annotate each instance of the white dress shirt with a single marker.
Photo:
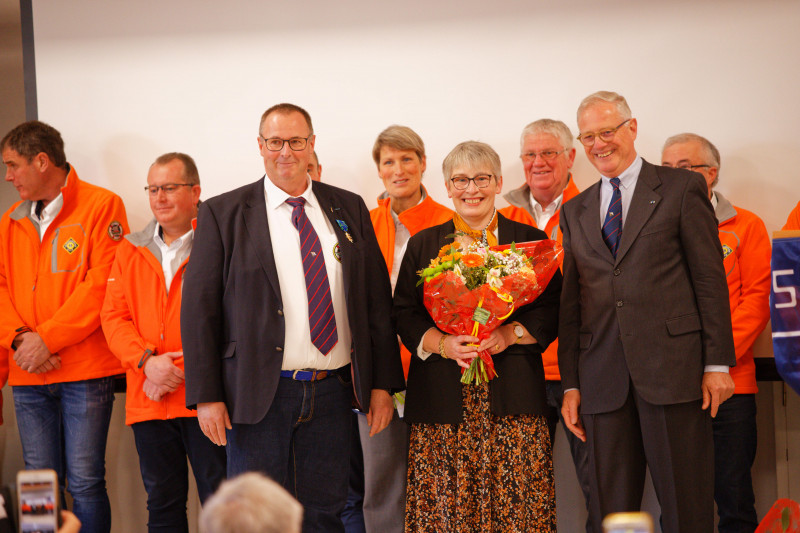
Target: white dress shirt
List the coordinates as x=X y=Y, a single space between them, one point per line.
x=174 y=253
x=628 y=180
x=298 y=351
x=542 y=215
x=49 y=213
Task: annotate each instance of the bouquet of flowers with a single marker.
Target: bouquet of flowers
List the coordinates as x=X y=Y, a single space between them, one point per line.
x=471 y=290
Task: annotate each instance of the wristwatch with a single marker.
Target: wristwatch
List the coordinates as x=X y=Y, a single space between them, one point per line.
x=519 y=331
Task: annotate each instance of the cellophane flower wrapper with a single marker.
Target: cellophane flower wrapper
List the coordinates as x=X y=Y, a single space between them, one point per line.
x=452 y=305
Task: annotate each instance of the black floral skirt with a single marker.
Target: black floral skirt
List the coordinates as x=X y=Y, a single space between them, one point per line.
x=486 y=474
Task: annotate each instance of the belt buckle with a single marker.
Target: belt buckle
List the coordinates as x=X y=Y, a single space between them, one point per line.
x=294 y=374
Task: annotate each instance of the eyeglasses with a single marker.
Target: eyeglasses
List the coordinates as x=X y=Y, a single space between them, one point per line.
x=275 y=144
x=687 y=166
x=547 y=155
x=481 y=181
x=589 y=138
x=168 y=188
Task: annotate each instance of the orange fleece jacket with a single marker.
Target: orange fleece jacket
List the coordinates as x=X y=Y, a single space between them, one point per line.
x=56 y=286
x=747 y=252
x=518 y=213
x=139 y=314
x=423 y=215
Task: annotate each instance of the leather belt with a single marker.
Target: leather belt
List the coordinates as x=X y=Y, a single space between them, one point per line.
x=314 y=375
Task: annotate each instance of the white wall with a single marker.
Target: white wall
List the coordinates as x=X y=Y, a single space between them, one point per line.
x=127 y=81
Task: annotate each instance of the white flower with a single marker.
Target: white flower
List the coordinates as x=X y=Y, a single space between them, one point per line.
x=493 y=278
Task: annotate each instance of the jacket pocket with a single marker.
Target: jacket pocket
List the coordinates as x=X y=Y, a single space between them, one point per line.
x=683 y=324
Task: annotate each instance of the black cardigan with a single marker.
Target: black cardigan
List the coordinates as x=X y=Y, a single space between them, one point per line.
x=434 y=393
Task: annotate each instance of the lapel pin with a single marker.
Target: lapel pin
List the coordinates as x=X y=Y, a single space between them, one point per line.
x=652 y=201
x=343 y=226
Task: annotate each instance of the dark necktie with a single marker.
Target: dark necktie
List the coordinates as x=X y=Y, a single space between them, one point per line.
x=612 y=226
x=321 y=318
x=39 y=208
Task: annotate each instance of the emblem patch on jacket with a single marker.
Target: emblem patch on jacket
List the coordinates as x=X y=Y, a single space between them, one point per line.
x=71 y=245
x=115 y=231
x=726 y=251
x=337 y=252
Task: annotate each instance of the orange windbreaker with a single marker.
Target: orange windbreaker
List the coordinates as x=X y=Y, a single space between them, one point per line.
x=139 y=314
x=56 y=286
x=425 y=214
x=520 y=200
x=793 y=222
x=747 y=251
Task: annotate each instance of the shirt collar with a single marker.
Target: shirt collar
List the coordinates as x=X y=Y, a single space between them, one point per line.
x=551 y=208
x=714 y=200
x=628 y=176
x=49 y=211
x=276 y=197
x=180 y=241
x=395 y=217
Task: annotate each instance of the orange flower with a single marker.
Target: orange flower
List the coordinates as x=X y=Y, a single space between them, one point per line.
x=472 y=260
x=445 y=251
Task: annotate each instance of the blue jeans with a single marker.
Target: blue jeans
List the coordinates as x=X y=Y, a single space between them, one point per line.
x=735 y=441
x=303 y=443
x=353 y=514
x=64 y=426
x=163 y=446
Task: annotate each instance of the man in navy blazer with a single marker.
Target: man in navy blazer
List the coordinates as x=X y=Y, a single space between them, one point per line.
x=260 y=383
x=645 y=335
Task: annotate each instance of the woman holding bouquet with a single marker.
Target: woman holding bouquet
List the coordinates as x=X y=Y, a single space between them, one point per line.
x=479 y=455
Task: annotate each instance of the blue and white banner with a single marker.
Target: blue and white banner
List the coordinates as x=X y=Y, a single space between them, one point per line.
x=785 y=309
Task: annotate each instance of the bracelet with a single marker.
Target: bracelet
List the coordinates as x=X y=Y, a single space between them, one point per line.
x=442 y=351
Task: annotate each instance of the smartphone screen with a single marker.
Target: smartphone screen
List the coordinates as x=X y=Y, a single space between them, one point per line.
x=37 y=493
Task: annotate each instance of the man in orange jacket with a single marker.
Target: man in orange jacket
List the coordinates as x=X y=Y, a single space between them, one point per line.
x=141 y=320
x=57 y=247
x=403 y=209
x=746 y=251
x=547 y=156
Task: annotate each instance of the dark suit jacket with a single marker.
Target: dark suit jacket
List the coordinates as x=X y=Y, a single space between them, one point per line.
x=657 y=314
x=434 y=387
x=232 y=323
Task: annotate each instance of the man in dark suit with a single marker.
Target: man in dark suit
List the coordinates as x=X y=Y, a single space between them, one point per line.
x=645 y=331
x=286 y=311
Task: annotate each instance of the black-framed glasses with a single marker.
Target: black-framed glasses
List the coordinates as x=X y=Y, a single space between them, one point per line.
x=275 y=144
x=547 y=155
x=481 y=181
x=589 y=138
x=686 y=166
x=168 y=188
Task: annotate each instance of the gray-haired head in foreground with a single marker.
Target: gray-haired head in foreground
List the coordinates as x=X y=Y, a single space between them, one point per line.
x=609 y=97
x=471 y=154
x=251 y=503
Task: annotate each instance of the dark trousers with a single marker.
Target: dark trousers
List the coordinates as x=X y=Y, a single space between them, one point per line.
x=674 y=441
x=163 y=447
x=735 y=441
x=303 y=442
x=353 y=514
x=578 y=448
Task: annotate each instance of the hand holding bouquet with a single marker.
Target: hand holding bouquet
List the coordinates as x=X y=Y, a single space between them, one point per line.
x=471 y=290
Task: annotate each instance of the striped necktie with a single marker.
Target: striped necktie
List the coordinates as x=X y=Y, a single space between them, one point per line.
x=321 y=318
x=612 y=226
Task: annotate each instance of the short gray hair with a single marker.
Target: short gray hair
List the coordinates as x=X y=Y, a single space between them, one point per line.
x=471 y=154
x=711 y=153
x=610 y=97
x=556 y=128
x=251 y=503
